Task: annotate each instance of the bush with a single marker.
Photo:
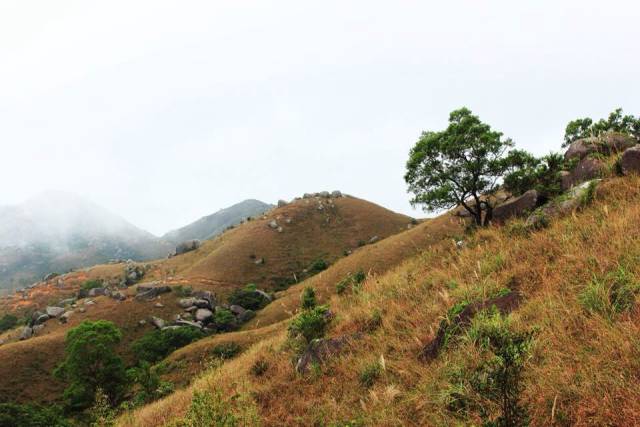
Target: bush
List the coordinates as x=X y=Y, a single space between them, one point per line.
x=308 y=298
x=15 y=415
x=8 y=321
x=370 y=374
x=151 y=386
x=248 y=298
x=352 y=280
x=91 y=362
x=212 y=410
x=616 y=122
x=226 y=350
x=157 y=345
x=91 y=284
x=224 y=319
x=317 y=266
x=611 y=295
x=310 y=324
x=259 y=367
x=531 y=173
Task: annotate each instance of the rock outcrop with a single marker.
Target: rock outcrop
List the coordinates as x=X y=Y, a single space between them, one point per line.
x=516 y=207
x=630 y=161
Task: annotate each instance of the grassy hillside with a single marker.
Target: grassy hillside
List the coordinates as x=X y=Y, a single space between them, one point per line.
x=582 y=367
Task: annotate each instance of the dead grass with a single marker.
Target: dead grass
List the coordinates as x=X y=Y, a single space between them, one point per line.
x=584 y=369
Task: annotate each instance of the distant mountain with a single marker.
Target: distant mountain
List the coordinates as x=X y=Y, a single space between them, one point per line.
x=57 y=231
x=214 y=224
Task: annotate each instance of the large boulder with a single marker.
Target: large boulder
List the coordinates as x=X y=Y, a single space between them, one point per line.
x=606 y=144
x=97 y=292
x=188 y=246
x=27 y=332
x=41 y=319
x=66 y=316
x=187 y=302
x=588 y=168
x=630 y=161
x=516 y=207
x=206 y=295
x=203 y=314
x=54 y=311
x=133 y=273
x=158 y=322
x=150 y=292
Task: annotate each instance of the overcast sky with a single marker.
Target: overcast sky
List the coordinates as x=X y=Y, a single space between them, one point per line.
x=164 y=111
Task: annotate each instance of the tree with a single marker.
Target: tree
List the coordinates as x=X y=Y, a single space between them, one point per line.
x=458 y=166
x=91 y=363
x=527 y=172
x=616 y=122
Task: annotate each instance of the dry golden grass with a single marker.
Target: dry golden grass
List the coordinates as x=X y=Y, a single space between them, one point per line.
x=584 y=369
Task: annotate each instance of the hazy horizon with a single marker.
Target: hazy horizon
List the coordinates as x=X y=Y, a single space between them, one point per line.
x=164 y=112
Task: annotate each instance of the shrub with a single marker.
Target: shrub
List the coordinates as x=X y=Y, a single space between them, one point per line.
x=157 y=345
x=613 y=294
x=151 y=386
x=308 y=298
x=91 y=362
x=183 y=291
x=224 y=319
x=499 y=378
x=209 y=410
x=317 y=266
x=226 y=350
x=91 y=284
x=351 y=280
x=531 y=173
x=16 y=415
x=369 y=374
x=259 y=367
x=248 y=298
x=7 y=322
x=310 y=324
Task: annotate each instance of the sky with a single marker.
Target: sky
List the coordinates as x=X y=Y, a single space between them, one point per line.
x=165 y=111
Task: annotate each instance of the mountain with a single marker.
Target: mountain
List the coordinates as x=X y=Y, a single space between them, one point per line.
x=214 y=224
x=57 y=231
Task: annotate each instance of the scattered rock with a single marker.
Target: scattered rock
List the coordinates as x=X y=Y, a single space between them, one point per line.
x=336 y=194
x=49 y=277
x=158 y=305
x=188 y=323
x=206 y=295
x=27 y=332
x=236 y=309
x=150 y=292
x=516 y=207
x=280 y=229
x=630 y=161
x=187 y=302
x=203 y=314
x=68 y=301
x=90 y=302
x=41 y=319
x=504 y=304
x=132 y=273
x=82 y=310
x=273 y=224
x=158 y=322
x=374 y=239
x=264 y=294
x=66 y=316
x=246 y=316
x=142 y=322
x=36 y=329
x=54 y=311
x=282 y=203
x=95 y=292
x=188 y=246
x=118 y=296
x=259 y=261
x=324 y=194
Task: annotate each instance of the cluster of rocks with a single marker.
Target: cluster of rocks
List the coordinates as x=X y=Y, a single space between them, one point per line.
x=61 y=311
x=323 y=194
x=199 y=311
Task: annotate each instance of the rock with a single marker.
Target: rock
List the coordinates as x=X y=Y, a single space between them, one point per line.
x=282 y=203
x=374 y=239
x=158 y=305
x=588 y=168
x=606 y=144
x=118 y=296
x=41 y=319
x=202 y=303
x=66 y=316
x=319 y=351
x=236 y=309
x=187 y=315
x=288 y=220
x=246 y=316
x=90 y=302
x=158 y=322
x=190 y=309
x=516 y=207
x=259 y=261
x=203 y=314
x=280 y=229
x=27 y=332
x=324 y=194
x=188 y=323
x=132 y=273
x=65 y=302
x=82 y=310
x=264 y=294
x=336 y=194
x=49 y=277
x=206 y=295
x=188 y=246
x=187 y=302
x=97 y=292
x=55 y=311
x=142 y=322
x=273 y=224
x=152 y=292
x=1 y=341
x=630 y=161
x=37 y=328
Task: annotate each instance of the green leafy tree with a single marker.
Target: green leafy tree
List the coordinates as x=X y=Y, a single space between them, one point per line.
x=7 y=322
x=527 y=172
x=157 y=345
x=616 y=122
x=91 y=362
x=458 y=166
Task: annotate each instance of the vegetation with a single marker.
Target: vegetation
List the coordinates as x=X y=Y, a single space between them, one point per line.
x=459 y=166
x=155 y=346
x=226 y=350
x=310 y=324
x=151 y=386
x=616 y=122
x=351 y=281
x=248 y=298
x=14 y=415
x=531 y=173
x=91 y=284
x=8 y=321
x=317 y=266
x=309 y=298
x=224 y=319
x=369 y=374
x=610 y=295
x=91 y=362
x=212 y=410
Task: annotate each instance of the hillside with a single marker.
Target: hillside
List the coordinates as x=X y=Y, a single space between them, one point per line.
x=56 y=232
x=212 y=225
x=583 y=364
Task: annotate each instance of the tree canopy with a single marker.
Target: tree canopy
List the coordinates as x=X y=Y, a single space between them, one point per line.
x=460 y=165
x=616 y=122
x=91 y=362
